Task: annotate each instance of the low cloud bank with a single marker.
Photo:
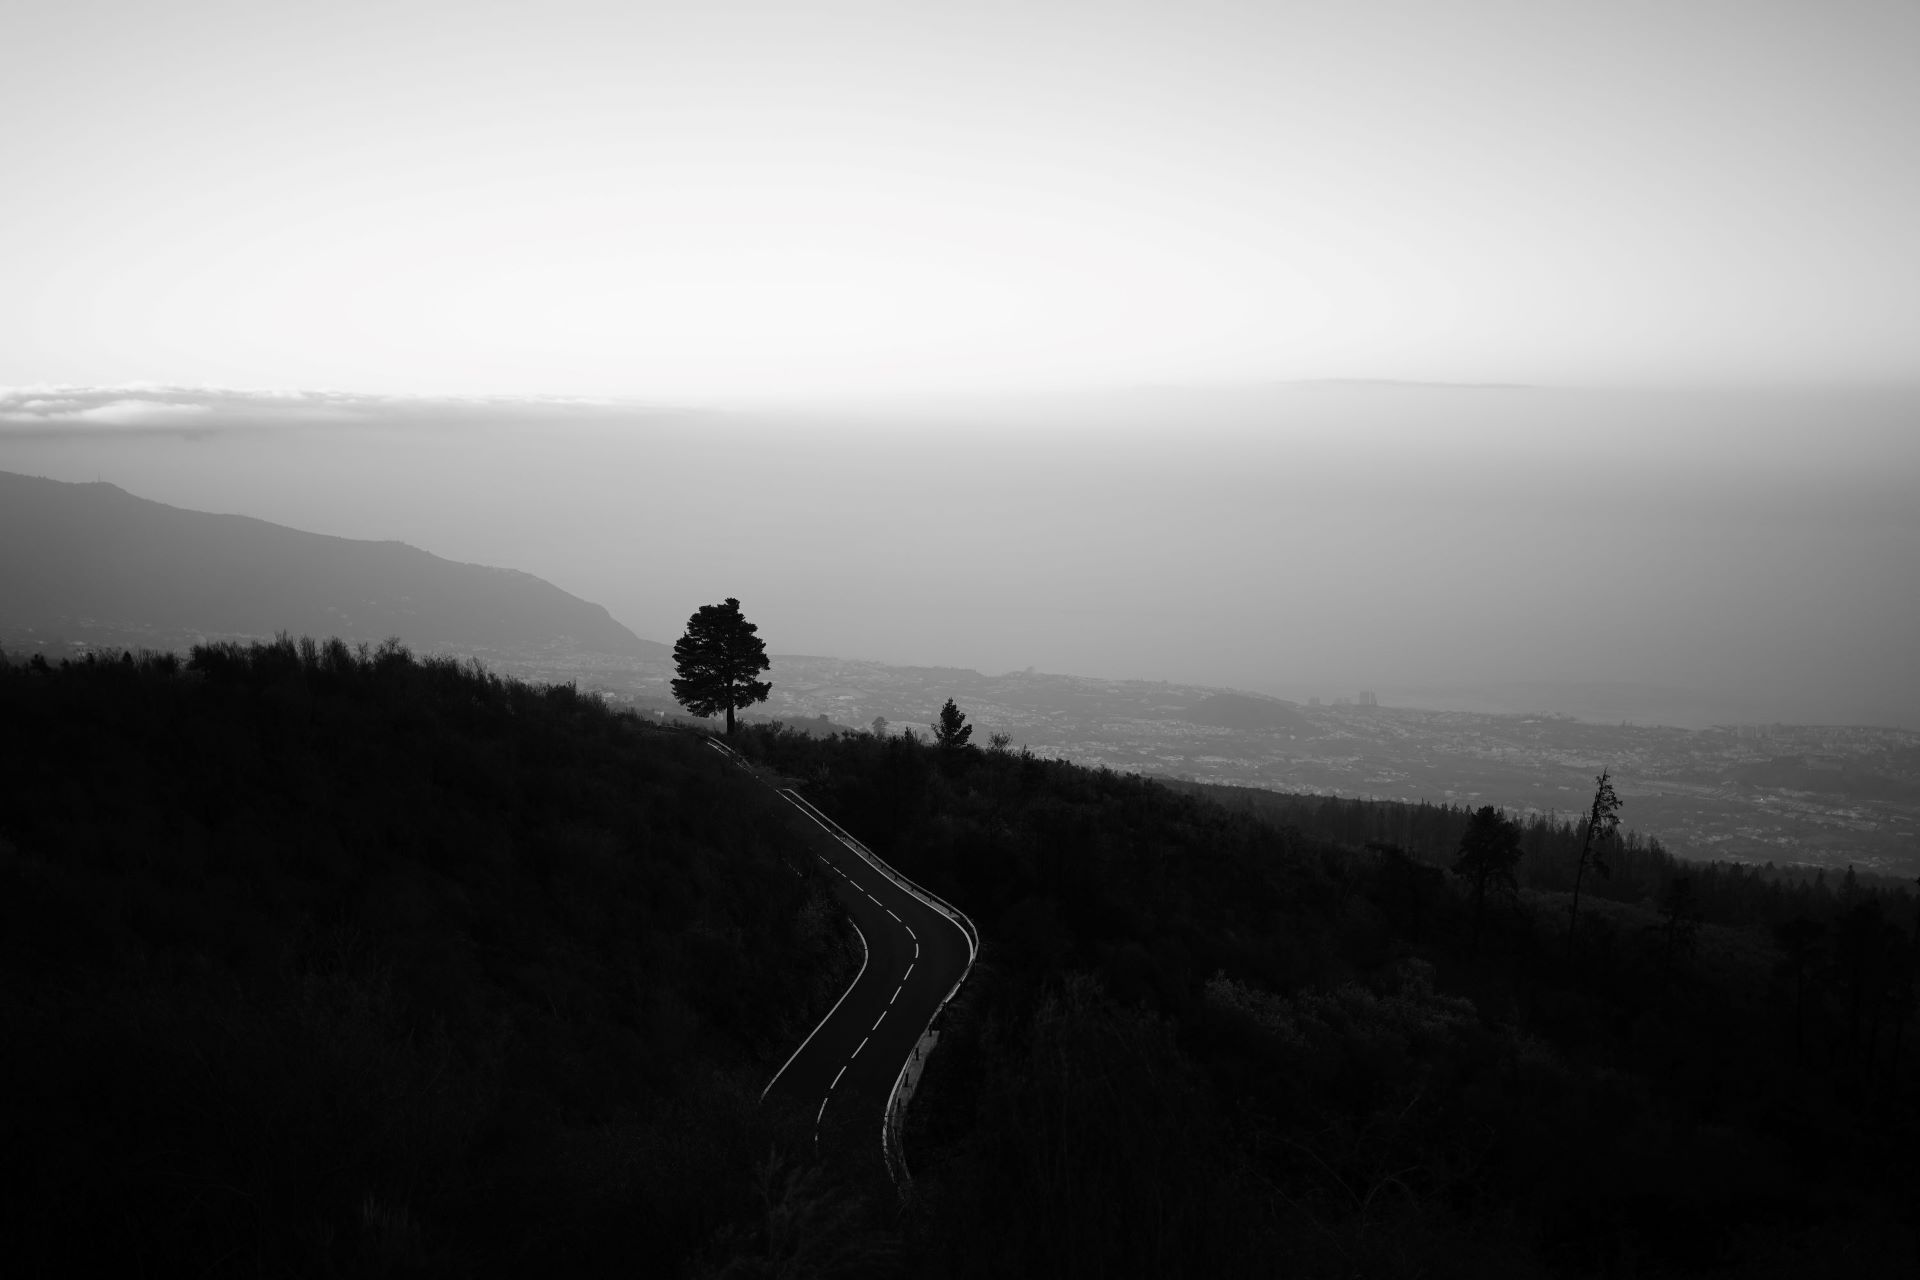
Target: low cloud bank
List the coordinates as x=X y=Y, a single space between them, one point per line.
x=114 y=413
x=175 y=410
x=193 y=411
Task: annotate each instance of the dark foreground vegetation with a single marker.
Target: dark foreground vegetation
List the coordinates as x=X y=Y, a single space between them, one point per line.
x=316 y=962
x=321 y=962
x=1257 y=1035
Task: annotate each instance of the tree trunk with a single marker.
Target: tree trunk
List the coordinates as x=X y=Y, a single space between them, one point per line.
x=729 y=722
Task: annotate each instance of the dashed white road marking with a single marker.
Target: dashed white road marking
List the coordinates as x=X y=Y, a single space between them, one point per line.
x=859 y=851
x=866 y=954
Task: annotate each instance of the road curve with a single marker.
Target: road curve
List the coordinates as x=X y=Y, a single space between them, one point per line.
x=845 y=1074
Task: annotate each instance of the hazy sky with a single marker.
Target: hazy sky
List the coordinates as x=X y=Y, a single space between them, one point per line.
x=724 y=201
x=842 y=221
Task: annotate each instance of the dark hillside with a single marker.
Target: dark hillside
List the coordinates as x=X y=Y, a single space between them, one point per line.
x=1640 y=868
x=322 y=964
x=74 y=556
x=1208 y=1041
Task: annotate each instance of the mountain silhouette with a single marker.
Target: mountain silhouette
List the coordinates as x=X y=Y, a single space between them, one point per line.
x=78 y=556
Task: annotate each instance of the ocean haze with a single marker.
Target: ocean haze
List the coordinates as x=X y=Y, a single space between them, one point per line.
x=1705 y=555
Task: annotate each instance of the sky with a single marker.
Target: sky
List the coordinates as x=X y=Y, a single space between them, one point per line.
x=1002 y=335
x=724 y=203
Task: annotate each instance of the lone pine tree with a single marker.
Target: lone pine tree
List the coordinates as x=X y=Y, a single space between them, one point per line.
x=718 y=658
x=953 y=731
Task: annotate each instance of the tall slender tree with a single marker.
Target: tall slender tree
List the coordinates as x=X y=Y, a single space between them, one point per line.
x=1489 y=851
x=1603 y=825
x=718 y=658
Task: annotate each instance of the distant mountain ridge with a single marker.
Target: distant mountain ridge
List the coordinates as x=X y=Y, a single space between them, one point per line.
x=75 y=556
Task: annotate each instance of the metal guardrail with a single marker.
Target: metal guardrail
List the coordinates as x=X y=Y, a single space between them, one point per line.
x=866 y=954
x=894 y=1116
x=927 y=897
x=727 y=751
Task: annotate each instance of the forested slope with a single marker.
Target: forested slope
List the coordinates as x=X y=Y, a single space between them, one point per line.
x=322 y=964
x=1640 y=868
x=1204 y=1041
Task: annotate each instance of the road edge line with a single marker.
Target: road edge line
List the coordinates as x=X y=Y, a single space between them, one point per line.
x=866 y=953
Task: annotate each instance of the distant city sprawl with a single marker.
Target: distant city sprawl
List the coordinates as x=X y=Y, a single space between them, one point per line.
x=1821 y=795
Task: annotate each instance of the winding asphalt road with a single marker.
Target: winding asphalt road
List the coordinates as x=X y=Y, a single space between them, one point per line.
x=845 y=1072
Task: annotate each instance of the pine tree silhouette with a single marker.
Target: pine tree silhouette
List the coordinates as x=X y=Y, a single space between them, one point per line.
x=952 y=731
x=718 y=658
